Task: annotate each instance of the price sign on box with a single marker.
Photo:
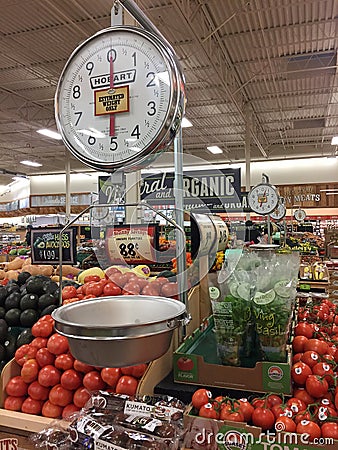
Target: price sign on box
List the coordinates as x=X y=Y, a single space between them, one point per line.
x=45 y=246
x=132 y=244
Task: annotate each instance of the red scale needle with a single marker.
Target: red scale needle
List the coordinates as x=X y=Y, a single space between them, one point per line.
x=111 y=88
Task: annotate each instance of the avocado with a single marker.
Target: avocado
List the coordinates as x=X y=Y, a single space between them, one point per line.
x=3 y=295
x=29 y=301
x=48 y=310
x=12 y=317
x=25 y=337
x=2 y=352
x=3 y=330
x=23 y=277
x=2 y=312
x=50 y=287
x=10 y=346
x=46 y=300
x=35 y=285
x=13 y=301
x=28 y=317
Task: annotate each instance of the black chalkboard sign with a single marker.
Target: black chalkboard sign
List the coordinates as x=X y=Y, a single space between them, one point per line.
x=45 y=246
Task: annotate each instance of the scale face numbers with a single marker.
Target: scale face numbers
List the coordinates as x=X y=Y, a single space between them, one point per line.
x=120 y=99
x=263 y=198
x=299 y=215
x=279 y=212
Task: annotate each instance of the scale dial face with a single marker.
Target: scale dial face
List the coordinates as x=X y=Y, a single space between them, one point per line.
x=120 y=99
x=279 y=212
x=263 y=198
x=299 y=215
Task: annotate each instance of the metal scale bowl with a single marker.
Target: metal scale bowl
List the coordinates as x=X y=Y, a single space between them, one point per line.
x=120 y=331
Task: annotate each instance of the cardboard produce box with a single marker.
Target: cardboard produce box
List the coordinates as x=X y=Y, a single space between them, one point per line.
x=213 y=434
x=196 y=362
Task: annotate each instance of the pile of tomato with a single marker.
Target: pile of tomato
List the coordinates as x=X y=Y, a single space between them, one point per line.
x=313 y=407
x=54 y=384
x=117 y=283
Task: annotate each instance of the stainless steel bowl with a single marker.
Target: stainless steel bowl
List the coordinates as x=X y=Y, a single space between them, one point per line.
x=120 y=331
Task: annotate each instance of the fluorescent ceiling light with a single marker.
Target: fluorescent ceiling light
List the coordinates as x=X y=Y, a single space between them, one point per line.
x=31 y=163
x=50 y=133
x=186 y=123
x=215 y=149
x=334 y=140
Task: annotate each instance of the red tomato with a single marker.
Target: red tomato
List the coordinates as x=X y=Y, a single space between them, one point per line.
x=52 y=411
x=208 y=411
x=299 y=372
x=93 y=381
x=111 y=289
x=316 y=345
x=31 y=406
x=263 y=417
x=60 y=396
x=69 y=292
x=273 y=399
x=303 y=395
x=316 y=387
x=13 y=403
x=131 y=288
x=329 y=430
x=309 y=427
x=310 y=358
x=71 y=379
x=201 y=397
x=298 y=344
x=233 y=414
x=64 y=361
x=42 y=328
x=44 y=357
x=81 y=396
x=29 y=371
x=69 y=410
x=82 y=367
x=90 y=278
x=38 y=392
x=296 y=405
x=324 y=370
x=94 y=288
x=284 y=423
x=49 y=376
x=246 y=408
x=111 y=375
x=150 y=290
x=169 y=289
x=16 y=387
x=57 y=344
x=39 y=342
x=126 y=385
x=304 y=329
x=24 y=353
x=134 y=371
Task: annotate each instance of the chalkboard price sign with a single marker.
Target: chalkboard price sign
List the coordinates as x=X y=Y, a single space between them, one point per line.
x=45 y=246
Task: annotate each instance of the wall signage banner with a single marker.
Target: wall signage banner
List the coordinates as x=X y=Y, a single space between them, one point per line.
x=45 y=246
x=209 y=191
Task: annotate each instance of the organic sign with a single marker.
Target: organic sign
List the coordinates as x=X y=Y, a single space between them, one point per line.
x=132 y=244
x=208 y=191
x=45 y=246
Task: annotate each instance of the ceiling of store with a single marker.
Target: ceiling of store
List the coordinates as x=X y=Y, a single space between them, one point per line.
x=268 y=63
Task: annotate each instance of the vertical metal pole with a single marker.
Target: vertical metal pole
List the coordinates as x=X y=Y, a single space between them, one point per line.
x=248 y=117
x=68 y=197
x=179 y=206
